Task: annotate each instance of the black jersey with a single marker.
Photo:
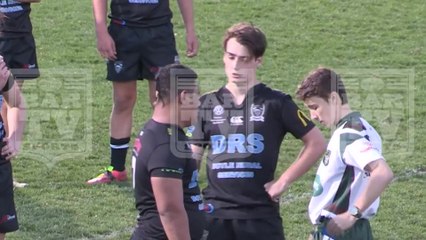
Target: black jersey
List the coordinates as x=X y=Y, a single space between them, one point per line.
x=16 y=22
x=162 y=150
x=243 y=147
x=140 y=13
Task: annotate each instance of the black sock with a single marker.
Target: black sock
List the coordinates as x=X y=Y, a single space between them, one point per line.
x=118 y=152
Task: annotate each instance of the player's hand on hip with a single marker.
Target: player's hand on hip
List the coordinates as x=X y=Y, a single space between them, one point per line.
x=340 y=223
x=274 y=190
x=9 y=149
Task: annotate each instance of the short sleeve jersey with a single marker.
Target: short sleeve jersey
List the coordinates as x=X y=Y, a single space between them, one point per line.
x=6 y=88
x=16 y=22
x=141 y=13
x=162 y=150
x=341 y=177
x=243 y=143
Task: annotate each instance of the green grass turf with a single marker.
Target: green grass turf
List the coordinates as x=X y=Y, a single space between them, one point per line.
x=377 y=46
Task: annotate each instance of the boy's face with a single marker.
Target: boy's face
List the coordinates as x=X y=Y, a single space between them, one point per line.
x=240 y=65
x=322 y=111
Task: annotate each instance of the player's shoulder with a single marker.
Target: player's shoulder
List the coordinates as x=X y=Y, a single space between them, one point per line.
x=274 y=96
x=211 y=98
x=209 y=94
x=273 y=93
x=155 y=133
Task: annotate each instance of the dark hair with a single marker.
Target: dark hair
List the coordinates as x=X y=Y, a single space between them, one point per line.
x=247 y=35
x=320 y=83
x=173 y=79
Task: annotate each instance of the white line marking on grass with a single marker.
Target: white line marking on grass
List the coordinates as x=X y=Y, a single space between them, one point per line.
x=111 y=235
x=409 y=173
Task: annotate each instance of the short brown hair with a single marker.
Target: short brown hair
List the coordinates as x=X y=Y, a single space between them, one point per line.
x=247 y=35
x=320 y=83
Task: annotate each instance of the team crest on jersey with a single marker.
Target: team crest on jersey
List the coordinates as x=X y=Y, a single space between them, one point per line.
x=326 y=158
x=257 y=112
x=118 y=66
x=218 y=115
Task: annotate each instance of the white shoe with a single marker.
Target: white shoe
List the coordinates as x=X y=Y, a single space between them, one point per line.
x=17 y=184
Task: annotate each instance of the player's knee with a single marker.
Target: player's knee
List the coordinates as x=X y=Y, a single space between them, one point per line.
x=124 y=103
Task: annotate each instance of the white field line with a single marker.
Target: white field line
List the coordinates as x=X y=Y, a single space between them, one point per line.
x=112 y=235
x=409 y=173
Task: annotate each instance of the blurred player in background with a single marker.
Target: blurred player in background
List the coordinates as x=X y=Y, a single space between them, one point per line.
x=17 y=46
x=137 y=43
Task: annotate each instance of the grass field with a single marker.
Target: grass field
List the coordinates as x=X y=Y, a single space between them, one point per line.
x=379 y=47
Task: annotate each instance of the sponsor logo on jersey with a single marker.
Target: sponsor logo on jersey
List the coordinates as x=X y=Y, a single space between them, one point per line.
x=172 y=170
x=237 y=143
x=6 y=6
x=218 y=110
x=257 y=112
x=118 y=66
x=218 y=115
x=237 y=120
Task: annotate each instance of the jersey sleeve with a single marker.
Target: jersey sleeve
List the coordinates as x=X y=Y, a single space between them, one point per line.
x=163 y=163
x=360 y=153
x=295 y=121
x=160 y=162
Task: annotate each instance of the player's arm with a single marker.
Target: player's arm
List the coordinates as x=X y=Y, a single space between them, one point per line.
x=105 y=43
x=314 y=147
x=168 y=195
x=187 y=12
x=16 y=120
x=28 y=1
x=380 y=177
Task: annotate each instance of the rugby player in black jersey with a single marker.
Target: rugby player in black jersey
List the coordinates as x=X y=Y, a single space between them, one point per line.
x=17 y=46
x=242 y=125
x=138 y=42
x=165 y=174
